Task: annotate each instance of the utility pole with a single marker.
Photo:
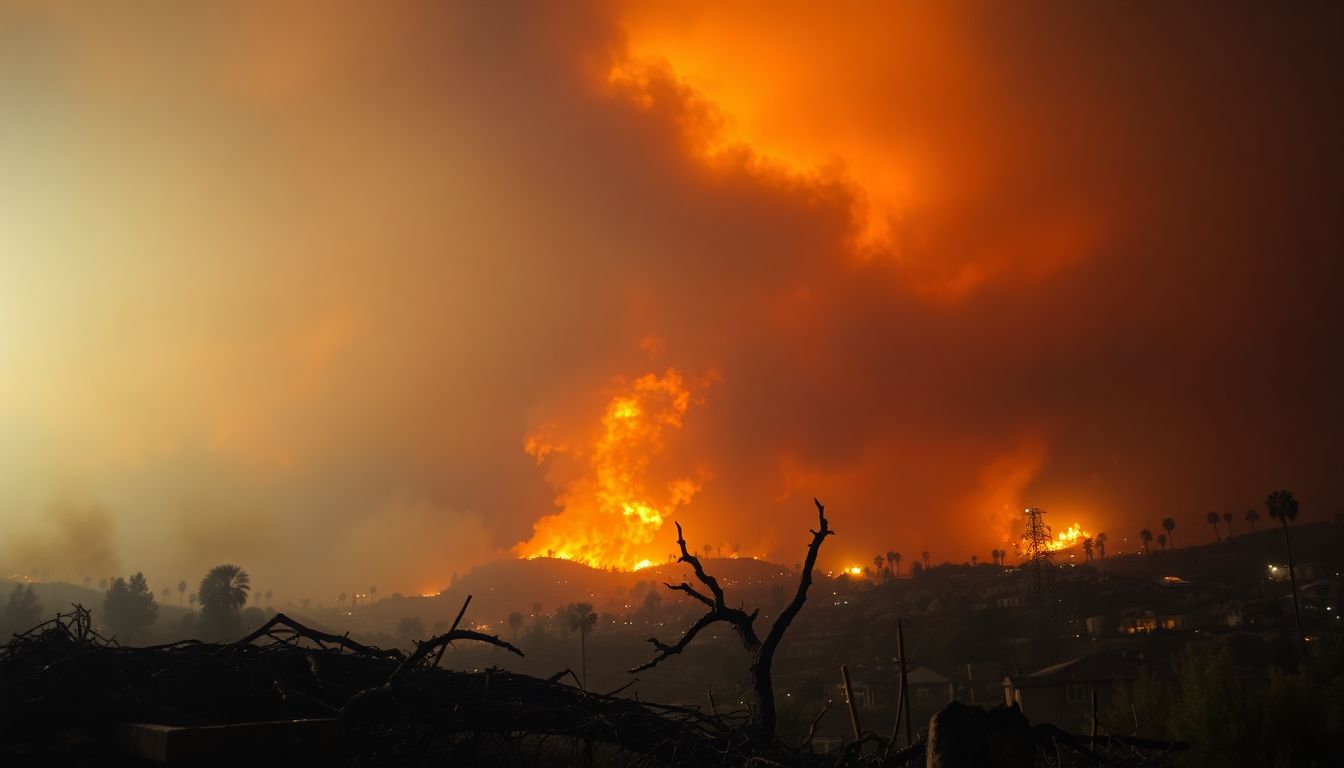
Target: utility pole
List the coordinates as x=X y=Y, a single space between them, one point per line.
x=903 y=705
x=1037 y=540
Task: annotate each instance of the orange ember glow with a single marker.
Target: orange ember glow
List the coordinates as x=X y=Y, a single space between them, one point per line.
x=612 y=512
x=1071 y=537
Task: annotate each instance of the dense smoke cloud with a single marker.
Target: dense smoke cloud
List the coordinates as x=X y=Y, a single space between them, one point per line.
x=292 y=287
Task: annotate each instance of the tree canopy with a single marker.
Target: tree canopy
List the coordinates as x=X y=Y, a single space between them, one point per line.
x=129 y=606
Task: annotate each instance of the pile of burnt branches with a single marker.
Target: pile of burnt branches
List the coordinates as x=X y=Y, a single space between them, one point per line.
x=64 y=689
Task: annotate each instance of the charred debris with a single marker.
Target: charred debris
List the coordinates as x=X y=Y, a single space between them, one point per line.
x=289 y=694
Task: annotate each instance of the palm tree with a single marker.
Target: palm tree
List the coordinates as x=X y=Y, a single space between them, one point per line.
x=1227 y=518
x=1162 y=541
x=340 y=601
x=223 y=592
x=373 y=595
x=1101 y=545
x=1212 y=517
x=1146 y=536
x=891 y=558
x=1283 y=506
x=926 y=559
x=1251 y=517
x=580 y=616
x=877 y=563
x=896 y=561
x=1170 y=526
x=1087 y=549
x=181 y=590
x=974 y=559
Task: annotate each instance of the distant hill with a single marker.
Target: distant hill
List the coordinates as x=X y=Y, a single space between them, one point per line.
x=504 y=586
x=1244 y=558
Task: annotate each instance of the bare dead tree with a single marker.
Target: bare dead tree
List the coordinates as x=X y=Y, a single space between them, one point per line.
x=762 y=651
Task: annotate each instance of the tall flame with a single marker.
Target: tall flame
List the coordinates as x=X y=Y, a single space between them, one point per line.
x=609 y=514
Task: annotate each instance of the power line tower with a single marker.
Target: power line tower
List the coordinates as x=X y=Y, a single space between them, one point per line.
x=1037 y=554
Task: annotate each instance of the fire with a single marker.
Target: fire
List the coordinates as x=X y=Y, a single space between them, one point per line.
x=610 y=514
x=1071 y=537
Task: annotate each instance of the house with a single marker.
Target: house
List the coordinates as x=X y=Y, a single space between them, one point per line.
x=930 y=691
x=1136 y=620
x=1061 y=694
x=1323 y=591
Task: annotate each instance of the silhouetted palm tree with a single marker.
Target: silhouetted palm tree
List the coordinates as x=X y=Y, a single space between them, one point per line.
x=580 y=616
x=1251 y=517
x=1283 y=506
x=373 y=595
x=891 y=560
x=181 y=590
x=1162 y=541
x=223 y=592
x=1146 y=536
x=926 y=559
x=1087 y=549
x=1212 y=517
x=974 y=560
x=340 y=601
x=1169 y=525
x=1101 y=545
x=1227 y=518
x=896 y=563
x=877 y=563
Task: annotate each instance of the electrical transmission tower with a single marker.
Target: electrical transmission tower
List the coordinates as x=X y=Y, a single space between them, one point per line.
x=1036 y=541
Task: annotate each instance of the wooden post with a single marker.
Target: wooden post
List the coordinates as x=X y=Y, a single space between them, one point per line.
x=905 y=681
x=1092 y=743
x=849 y=699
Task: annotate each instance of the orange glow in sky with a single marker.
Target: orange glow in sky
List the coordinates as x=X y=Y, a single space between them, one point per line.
x=450 y=283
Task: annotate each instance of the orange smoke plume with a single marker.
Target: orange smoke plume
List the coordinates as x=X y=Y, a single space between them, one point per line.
x=612 y=512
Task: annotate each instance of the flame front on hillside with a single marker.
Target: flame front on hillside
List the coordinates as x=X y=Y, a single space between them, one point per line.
x=609 y=514
x=1071 y=537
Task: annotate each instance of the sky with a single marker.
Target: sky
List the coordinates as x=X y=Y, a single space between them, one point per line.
x=351 y=294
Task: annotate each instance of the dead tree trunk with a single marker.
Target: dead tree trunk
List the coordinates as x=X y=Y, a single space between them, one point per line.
x=762 y=651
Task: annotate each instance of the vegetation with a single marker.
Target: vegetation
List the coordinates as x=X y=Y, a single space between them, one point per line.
x=222 y=593
x=1283 y=507
x=21 y=612
x=581 y=618
x=129 y=607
